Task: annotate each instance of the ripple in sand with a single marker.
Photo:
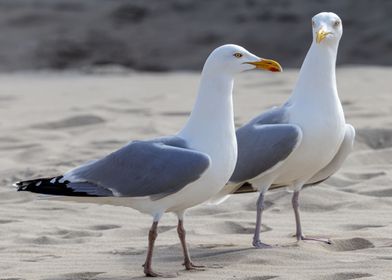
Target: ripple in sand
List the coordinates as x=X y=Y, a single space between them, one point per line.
x=231 y=227
x=375 y=138
x=78 y=276
x=387 y=192
x=104 y=227
x=346 y=276
x=361 y=227
x=161 y=229
x=82 y=120
x=8 y=221
x=4 y=98
x=176 y=114
x=41 y=258
x=266 y=277
x=128 y=252
x=363 y=175
x=71 y=234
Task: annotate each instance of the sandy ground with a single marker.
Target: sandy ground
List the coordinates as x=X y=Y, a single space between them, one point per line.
x=51 y=122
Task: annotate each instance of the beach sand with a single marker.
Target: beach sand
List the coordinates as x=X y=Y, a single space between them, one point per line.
x=51 y=122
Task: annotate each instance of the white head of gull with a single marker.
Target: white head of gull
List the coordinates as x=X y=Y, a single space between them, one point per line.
x=302 y=142
x=170 y=174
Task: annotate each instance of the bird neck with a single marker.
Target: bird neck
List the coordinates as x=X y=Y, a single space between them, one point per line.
x=212 y=115
x=317 y=78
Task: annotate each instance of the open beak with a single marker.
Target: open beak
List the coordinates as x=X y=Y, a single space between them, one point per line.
x=321 y=34
x=267 y=64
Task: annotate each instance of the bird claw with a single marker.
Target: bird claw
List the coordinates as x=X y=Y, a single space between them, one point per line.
x=260 y=245
x=192 y=266
x=150 y=273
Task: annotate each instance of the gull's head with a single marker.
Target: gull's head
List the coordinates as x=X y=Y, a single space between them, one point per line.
x=232 y=59
x=327 y=28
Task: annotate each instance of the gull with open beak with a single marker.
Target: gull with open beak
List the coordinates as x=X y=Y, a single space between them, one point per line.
x=173 y=173
x=303 y=141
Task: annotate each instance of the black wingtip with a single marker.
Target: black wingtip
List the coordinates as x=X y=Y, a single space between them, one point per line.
x=52 y=186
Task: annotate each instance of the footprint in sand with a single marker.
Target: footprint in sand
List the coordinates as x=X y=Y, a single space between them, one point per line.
x=76 y=121
x=343 y=245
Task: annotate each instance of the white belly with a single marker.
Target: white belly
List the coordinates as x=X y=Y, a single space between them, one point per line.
x=312 y=155
x=322 y=137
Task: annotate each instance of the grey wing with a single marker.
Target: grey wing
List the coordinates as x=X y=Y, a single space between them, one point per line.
x=345 y=149
x=264 y=142
x=153 y=168
x=261 y=147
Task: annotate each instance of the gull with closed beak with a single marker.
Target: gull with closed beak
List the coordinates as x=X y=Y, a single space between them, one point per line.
x=173 y=173
x=302 y=142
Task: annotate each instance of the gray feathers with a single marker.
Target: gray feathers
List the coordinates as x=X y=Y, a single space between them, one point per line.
x=264 y=142
x=154 y=168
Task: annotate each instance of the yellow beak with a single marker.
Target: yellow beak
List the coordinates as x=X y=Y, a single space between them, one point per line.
x=267 y=64
x=321 y=34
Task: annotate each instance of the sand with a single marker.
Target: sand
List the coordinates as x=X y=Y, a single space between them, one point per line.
x=51 y=122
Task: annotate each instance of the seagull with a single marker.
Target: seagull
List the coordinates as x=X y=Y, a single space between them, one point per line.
x=302 y=142
x=172 y=173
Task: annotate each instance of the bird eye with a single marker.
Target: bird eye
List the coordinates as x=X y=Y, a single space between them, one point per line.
x=336 y=23
x=313 y=23
x=238 y=55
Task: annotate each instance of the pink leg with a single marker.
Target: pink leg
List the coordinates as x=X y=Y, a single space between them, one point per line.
x=152 y=236
x=187 y=259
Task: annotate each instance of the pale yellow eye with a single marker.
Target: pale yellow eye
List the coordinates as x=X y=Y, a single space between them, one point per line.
x=336 y=23
x=238 y=55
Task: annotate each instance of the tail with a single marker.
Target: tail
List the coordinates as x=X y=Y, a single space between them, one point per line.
x=224 y=194
x=59 y=186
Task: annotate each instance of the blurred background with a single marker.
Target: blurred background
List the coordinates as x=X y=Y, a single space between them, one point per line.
x=156 y=35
